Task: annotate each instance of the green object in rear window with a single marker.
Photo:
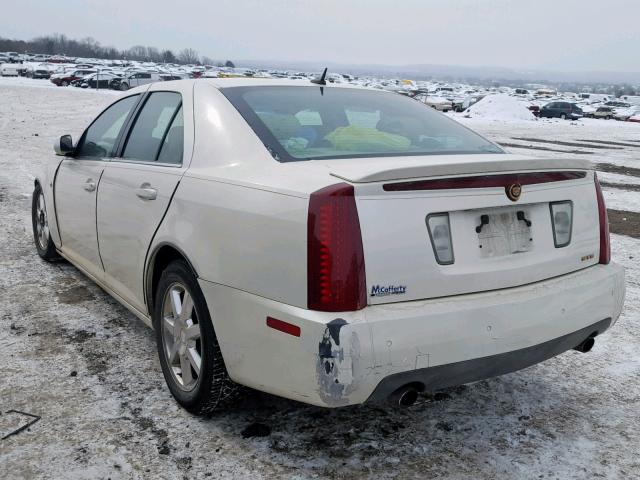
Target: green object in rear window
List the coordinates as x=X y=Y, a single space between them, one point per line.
x=360 y=139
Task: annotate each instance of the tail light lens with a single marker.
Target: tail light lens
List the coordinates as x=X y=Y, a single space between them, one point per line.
x=605 y=240
x=335 y=258
x=562 y=221
x=440 y=235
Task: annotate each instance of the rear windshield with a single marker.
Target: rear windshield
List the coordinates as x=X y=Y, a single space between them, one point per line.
x=306 y=123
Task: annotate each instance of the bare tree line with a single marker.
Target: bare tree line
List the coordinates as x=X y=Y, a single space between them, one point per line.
x=59 y=44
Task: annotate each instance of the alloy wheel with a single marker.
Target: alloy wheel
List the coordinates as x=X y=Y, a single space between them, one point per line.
x=42 y=224
x=181 y=337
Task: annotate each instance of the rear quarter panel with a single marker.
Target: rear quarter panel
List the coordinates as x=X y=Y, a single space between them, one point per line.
x=246 y=238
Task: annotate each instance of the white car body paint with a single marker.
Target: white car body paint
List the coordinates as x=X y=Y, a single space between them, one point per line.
x=240 y=218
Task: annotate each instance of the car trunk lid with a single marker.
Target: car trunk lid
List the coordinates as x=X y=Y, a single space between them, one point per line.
x=497 y=240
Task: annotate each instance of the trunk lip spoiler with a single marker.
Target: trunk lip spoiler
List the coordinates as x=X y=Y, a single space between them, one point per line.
x=485 y=181
x=382 y=170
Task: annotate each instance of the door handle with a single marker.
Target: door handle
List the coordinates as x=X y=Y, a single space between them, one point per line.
x=146 y=192
x=89 y=185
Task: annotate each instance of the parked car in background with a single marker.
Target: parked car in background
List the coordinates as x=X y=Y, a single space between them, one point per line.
x=617 y=104
x=605 y=113
x=535 y=109
x=331 y=248
x=623 y=114
x=436 y=102
x=563 y=110
x=39 y=71
x=10 y=69
x=14 y=57
x=99 y=80
x=134 y=80
x=64 y=79
x=634 y=118
x=166 y=77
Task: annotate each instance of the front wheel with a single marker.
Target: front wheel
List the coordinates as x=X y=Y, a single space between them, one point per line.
x=40 y=221
x=124 y=87
x=190 y=356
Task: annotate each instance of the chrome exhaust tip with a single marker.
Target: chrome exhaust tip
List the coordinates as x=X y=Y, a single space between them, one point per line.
x=585 y=346
x=404 y=396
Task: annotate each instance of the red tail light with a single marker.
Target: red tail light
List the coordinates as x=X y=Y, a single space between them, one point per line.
x=605 y=241
x=335 y=259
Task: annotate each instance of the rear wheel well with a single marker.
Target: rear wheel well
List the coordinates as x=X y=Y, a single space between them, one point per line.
x=159 y=262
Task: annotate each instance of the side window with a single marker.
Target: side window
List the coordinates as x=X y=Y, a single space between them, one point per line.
x=100 y=138
x=152 y=126
x=144 y=75
x=173 y=143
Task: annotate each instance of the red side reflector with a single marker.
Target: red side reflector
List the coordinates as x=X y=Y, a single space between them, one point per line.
x=283 y=326
x=484 y=181
x=605 y=238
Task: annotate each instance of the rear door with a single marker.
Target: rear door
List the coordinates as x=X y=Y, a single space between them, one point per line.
x=76 y=185
x=136 y=189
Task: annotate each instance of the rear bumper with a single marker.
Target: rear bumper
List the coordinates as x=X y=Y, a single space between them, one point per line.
x=344 y=359
x=452 y=374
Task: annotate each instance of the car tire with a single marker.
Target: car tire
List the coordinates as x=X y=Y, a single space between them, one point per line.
x=188 y=341
x=64 y=83
x=41 y=233
x=563 y=116
x=124 y=87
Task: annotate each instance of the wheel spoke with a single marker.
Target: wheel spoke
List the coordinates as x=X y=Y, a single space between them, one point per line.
x=169 y=326
x=41 y=202
x=192 y=332
x=194 y=359
x=185 y=367
x=176 y=303
x=173 y=353
x=43 y=237
x=187 y=307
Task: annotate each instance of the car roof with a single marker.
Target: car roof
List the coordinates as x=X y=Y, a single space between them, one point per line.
x=263 y=82
x=229 y=82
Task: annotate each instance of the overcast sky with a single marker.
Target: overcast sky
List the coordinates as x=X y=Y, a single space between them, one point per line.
x=566 y=35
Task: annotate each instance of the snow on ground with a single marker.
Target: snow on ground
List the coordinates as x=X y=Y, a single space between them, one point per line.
x=42 y=83
x=618 y=179
x=622 y=200
x=89 y=368
x=501 y=108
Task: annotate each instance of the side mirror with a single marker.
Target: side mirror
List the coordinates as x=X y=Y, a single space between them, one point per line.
x=63 y=146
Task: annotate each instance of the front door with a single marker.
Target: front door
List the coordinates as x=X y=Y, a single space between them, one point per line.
x=135 y=192
x=77 y=182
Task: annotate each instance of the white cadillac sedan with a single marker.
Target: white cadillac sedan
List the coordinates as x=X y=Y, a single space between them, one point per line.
x=327 y=244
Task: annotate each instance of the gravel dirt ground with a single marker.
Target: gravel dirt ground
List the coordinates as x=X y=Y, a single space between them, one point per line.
x=88 y=368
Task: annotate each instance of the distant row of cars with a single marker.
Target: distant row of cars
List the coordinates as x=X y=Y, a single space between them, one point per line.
x=88 y=78
x=571 y=111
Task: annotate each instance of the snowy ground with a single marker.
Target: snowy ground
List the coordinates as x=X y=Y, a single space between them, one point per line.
x=73 y=356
